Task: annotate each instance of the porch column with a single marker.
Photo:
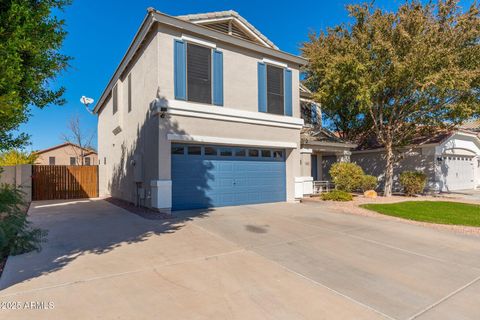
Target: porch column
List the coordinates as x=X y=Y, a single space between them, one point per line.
x=344 y=156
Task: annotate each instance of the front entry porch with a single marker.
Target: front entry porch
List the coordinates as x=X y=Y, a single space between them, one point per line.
x=317 y=157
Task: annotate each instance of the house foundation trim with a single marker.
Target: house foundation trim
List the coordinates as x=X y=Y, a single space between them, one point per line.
x=161 y=191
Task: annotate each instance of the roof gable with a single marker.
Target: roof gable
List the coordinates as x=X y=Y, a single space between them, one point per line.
x=231 y=23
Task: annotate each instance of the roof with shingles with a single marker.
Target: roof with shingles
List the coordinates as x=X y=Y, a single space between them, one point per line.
x=473 y=125
x=89 y=151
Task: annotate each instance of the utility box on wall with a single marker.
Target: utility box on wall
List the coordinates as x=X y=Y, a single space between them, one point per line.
x=138 y=168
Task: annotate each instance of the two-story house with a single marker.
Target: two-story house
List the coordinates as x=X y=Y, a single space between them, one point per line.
x=203 y=111
x=67 y=154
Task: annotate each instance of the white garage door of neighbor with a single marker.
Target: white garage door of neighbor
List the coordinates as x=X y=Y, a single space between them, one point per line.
x=459 y=172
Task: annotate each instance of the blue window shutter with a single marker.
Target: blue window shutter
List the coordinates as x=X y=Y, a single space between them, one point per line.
x=288 y=92
x=217 y=78
x=314 y=114
x=180 y=70
x=262 y=87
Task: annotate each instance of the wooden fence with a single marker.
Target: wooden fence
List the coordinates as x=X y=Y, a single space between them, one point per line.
x=64 y=182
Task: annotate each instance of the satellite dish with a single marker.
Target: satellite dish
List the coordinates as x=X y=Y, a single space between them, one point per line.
x=86 y=101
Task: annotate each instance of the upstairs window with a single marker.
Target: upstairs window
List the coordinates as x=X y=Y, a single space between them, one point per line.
x=87 y=161
x=73 y=161
x=115 y=99
x=199 y=74
x=129 y=92
x=51 y=161
x=275 y=91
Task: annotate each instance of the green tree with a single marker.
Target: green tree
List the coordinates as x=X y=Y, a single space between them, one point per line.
x=30 y=40
x=409 y=72
x=14 y=157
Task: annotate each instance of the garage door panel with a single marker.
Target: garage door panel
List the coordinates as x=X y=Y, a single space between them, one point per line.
x=458 y=172
x=211 y=181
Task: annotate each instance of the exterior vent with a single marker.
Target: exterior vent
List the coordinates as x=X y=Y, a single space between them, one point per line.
x=221 y=26
x=229 y=27
x=237 y=32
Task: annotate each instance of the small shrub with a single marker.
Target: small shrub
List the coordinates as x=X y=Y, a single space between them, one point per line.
x=368 y=183
x=16 y=233
x=413 y=182
x=347 y=176
x=337 y=195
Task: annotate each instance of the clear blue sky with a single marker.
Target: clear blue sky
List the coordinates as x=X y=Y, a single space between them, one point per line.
x=99 y=32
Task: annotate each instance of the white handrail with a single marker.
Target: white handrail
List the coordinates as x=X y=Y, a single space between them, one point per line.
x=322 y=186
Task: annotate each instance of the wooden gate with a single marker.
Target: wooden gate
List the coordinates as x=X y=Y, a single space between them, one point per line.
x=64 y=182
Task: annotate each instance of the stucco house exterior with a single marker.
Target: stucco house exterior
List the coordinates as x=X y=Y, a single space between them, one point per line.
x=67 y=154
x=205 y=111
x=451 y=160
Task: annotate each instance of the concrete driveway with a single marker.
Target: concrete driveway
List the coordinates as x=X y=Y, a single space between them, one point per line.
x=278 y=261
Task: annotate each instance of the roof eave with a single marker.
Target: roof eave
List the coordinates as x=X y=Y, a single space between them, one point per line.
x=147 y=23
x=344 y=145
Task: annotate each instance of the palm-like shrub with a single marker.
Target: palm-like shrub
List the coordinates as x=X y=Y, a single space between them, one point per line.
x=17 y=236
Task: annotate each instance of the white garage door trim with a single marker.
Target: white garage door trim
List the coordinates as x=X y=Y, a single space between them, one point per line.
x=228 y=141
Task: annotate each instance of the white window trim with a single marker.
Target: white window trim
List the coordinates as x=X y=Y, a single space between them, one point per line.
x=279 y=65
x=203 y=43
x=199 y=41
x=275 y=63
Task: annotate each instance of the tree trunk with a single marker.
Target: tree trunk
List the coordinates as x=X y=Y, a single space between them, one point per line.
x=387 y=191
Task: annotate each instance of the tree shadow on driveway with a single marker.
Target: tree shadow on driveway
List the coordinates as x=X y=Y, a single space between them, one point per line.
x=81 y=227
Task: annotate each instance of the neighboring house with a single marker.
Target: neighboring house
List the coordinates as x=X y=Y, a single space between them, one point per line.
x=451 y=160
x=472 y=125
x=66 y=154
x=204 y=111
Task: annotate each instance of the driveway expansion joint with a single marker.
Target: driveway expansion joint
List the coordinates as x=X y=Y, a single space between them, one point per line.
x=448 y=296
x=346 y=233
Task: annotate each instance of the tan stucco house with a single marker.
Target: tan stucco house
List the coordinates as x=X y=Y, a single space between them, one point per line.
x=203 y=111
x=67 y=154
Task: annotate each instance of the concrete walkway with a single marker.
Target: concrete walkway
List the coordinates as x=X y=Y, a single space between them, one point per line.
x=278 y=261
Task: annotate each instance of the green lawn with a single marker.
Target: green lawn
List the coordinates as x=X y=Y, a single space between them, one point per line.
x=431 y=211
